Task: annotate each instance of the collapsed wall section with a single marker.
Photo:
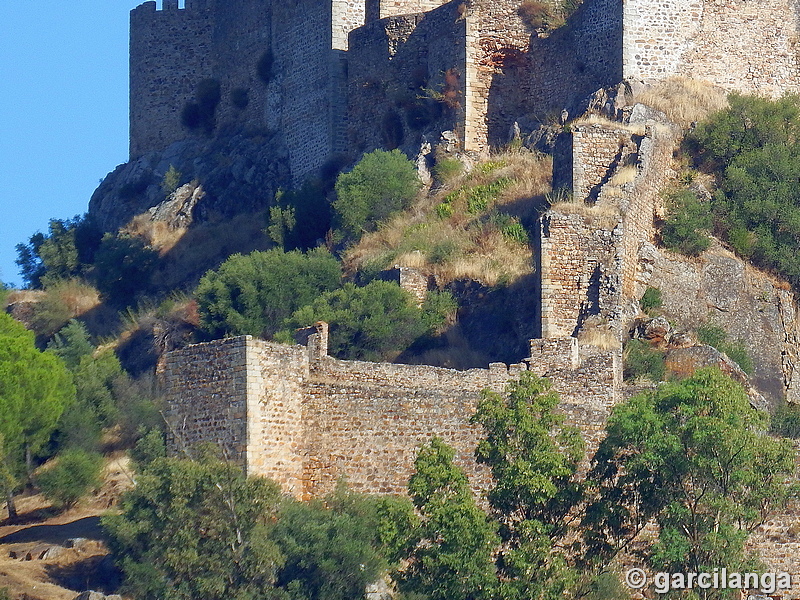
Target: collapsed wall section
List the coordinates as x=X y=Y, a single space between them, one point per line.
x=406 y=79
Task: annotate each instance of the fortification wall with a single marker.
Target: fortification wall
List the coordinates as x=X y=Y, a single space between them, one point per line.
x=406 y=74
x=749 y=46
x=170 y=52
x=311 y=419
x=381 y=9
x=207 y=386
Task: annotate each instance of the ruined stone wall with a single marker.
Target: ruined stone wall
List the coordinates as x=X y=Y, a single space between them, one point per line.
x=579 y=266
x=406 y=77
x=743 y=46
x=380 y=9
x=170 y=52
x=206 y=385
x=311 y=419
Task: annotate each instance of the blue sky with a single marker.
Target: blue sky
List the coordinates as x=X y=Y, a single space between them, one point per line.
x=63 y=111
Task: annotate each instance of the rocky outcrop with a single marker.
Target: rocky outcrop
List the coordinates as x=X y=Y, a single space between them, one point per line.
x=720 y=289
x=237 y=173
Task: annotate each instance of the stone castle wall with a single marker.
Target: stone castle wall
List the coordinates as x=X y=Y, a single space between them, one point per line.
x=311 y=419
x=748 y=46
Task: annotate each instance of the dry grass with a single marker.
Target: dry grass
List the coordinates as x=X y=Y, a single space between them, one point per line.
x=462 y=241
x=684 y=100
x=594 y=119
x=157 y=234
x=625 y=175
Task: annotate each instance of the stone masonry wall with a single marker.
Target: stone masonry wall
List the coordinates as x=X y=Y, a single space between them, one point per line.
x=396 y=67
x=170 y=52
x=312 y=419
x=748 y=46
x=578 y=274
x=207 y=389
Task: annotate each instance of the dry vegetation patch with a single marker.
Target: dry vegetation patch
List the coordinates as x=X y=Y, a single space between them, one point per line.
x=471 y=228
x=684 y=100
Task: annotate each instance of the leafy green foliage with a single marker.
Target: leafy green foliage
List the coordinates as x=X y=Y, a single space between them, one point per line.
x=717 y=337
x=75 y=473
x=373 y=322
x=71 y=343
x=124 y=265
x=67 y=250
x=254 y=294
x=642 y=360
x=533 y=458
x=381 y=184
x=452 y=556
x=148 y=448
x=447 y=169
x=651 y=300
x=686 y=226
x=693 y=455
x=172 y=180
x=301 y=218
x=35 y=388
x=331 y=547
x=197 y=530
x=753 y=149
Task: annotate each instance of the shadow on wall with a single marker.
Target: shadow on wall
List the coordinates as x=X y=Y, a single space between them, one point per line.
x=559 y=71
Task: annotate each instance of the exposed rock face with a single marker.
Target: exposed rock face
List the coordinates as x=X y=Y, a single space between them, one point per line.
x=238 y=173
x=719 y=288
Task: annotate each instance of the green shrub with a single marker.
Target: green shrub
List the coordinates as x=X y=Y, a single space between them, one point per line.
x=686 y=226
x=171 y=181
x=447 y=169
x=253 y=294
x=753 y=149
x=381 y=184
x=480 y=197
x=75 y=473
x=716 y=337
x=124 y=265
x=148 y=448
x=786 y=421
x=642 y=360
x=374 y=322
x=300 y=218
x=651 y=300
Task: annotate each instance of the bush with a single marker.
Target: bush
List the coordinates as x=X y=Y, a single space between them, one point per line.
x=75 y=473
x=651 y=300
x=171 y=181
x=447 y=169
x=786 y=421
x=685 y=229
x=374 y=322
x=300 y=218
x=124 y=265
x=535 y=14
x=642 y=360
x=381 y=184
x=254 y=294
x=716 y=337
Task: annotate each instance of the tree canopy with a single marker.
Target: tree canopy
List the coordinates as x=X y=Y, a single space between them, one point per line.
x=254 y=294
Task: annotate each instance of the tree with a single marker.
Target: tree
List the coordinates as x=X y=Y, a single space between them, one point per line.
x=692 y=454
x=533 y=458
x=197 y=529
x=65 y=251
x=332 y=546
x=452 y=556
x=374 y=322
x=74 y=473
x=254 y=294
x=124 y=265
x=71 y=343
x=35 y=388
x=380 y=184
